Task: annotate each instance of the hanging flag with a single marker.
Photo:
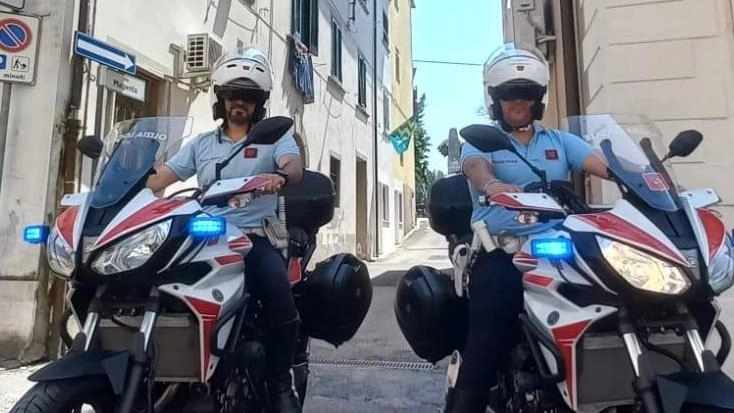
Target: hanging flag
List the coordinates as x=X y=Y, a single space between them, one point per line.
x=400 y=137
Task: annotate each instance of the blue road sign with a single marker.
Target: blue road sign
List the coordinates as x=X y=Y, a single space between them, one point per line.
x=3 y=61
x=103 y=53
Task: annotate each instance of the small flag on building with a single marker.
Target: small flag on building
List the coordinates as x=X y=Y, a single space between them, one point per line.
x=401 y=136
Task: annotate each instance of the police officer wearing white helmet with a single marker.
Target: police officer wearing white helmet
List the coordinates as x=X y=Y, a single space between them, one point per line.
x=241 y=85
x=515 y=89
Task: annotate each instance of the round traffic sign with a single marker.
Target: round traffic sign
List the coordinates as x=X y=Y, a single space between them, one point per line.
x=15 y=35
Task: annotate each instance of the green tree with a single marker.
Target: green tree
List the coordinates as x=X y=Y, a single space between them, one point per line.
x=422 y=145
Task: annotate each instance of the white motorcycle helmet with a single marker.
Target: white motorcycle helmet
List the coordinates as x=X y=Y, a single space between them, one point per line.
x=244 y=72
x=514 y=72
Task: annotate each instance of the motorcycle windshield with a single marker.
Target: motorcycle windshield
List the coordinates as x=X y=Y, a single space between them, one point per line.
x=631 y=146
x=131 y=149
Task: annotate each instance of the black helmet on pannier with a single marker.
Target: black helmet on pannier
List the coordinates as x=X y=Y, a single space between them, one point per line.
x=431 y=316
x=334 y=299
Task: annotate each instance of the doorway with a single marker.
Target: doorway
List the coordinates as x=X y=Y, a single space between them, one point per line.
x=362 y=216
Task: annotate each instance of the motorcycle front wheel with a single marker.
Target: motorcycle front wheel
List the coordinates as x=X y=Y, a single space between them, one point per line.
x=84 y=395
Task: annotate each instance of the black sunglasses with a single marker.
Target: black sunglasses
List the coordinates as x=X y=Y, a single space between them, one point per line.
x=245 y=95
x=518 y=92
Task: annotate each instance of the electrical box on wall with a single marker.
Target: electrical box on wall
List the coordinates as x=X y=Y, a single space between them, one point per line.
x=526 y=5
x=529 y=22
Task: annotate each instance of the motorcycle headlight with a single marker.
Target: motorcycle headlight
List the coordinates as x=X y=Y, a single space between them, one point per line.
x=60 y=254
x=642 y=270
x=133 y=251
x=721 y=268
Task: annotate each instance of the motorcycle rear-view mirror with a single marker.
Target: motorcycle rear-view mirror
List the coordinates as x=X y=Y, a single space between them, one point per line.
x=268 y=131
x=684 y=144
x=90 y=146
x=487 y=138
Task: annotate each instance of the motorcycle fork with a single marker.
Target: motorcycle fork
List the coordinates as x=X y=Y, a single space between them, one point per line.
x=644 y=383
x=645 y=376
x=139 y=355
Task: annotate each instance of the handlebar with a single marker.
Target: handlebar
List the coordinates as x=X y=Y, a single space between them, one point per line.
x=535 y=187
x=560 y=190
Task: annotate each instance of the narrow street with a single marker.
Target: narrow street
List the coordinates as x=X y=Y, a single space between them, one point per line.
x=388 y=376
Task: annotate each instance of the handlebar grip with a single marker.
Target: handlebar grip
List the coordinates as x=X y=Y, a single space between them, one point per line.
x=533 y=187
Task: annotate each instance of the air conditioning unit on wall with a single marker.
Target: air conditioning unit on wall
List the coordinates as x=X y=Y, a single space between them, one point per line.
x=201 y=53
x=529 y=22
x=196 y=59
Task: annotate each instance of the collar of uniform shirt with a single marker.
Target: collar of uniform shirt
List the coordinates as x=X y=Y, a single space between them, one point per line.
x=538 y=129
x=223 y=137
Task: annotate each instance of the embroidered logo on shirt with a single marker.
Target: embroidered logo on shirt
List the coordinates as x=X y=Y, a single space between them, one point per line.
x=551 y=154
x=250 y=153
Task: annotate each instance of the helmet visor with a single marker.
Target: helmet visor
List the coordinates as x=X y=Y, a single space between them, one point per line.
x=518 y=90
x=232 y=92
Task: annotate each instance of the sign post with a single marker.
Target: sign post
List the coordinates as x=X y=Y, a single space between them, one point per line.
x=19 y=36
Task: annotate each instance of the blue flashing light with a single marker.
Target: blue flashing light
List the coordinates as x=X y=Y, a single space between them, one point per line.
x=205 y=227
x=36 y=234
x=553 y=248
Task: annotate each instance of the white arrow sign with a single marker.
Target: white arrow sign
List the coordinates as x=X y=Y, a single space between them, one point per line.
x=106 y=54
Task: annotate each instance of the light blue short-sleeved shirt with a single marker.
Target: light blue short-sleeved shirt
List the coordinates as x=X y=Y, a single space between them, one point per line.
x=200 y=155
x=556 y=152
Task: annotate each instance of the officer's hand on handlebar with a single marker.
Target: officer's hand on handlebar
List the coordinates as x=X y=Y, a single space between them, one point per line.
x=275 y=183
x=497 y=187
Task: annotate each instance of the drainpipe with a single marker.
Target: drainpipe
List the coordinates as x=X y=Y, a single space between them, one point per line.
x=51 y=304
x=375 y=184
x=571 y=74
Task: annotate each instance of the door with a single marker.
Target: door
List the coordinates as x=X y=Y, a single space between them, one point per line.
x=362 y=217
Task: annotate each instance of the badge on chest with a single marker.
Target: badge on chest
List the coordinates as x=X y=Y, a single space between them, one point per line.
x=250 y=153
x=551 y=154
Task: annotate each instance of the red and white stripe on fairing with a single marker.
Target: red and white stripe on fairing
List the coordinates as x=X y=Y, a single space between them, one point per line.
x=626 y=224
x=141 y=211
x=527 y=202
x=66 y=223
x=539 y=280
x=566 y=338
x=240 y=244
x=715 y=231
x=254 y=183
x=208 y=313
x=229 y=259
x=524 y=261
x=232 y=186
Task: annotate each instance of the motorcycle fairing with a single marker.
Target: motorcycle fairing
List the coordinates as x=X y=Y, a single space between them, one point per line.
x=208 y=299
x=113 y=365
x=712 y=389
x=701 y=198
x=627 y=224
x=527 y=202
x=144 y=209
x=559 y=318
